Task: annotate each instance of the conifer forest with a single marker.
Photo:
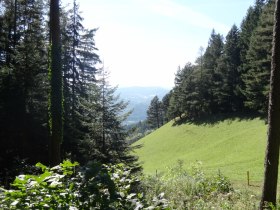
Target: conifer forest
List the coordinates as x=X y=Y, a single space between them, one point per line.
x=63 y=139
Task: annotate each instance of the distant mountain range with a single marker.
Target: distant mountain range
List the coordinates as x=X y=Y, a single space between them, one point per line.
x=139 y=100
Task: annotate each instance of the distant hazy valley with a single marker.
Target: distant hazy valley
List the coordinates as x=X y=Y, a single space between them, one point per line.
x=139 y=100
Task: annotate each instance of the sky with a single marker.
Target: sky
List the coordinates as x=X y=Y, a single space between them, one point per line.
x=143 y=42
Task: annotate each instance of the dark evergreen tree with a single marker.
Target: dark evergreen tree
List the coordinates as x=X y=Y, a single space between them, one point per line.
x=71 y=32
x=174 y=105
x=210 y=79
x=248 y=26
x=165 y=104
x=79 y=60
x=190 y=92
x=256 y=77
x=186 y=99
x=228 y=98
x=175 y=108
x=106 y=139
x=154 y=113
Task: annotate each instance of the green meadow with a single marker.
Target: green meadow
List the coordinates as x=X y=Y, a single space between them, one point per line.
x=231 y=146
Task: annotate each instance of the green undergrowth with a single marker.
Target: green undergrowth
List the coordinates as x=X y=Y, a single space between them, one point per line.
x=114 y=187
x=232 y=146
x=194 y=189
x=68 y=186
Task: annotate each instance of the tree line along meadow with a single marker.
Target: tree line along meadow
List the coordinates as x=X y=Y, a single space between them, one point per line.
x=56 y=104
x=230 y=76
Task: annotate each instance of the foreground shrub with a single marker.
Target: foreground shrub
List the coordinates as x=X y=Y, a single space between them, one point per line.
x=53 y=188
x=68 y=186
x=113 y=187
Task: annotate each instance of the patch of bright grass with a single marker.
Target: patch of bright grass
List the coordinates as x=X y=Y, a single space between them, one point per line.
x=233 y=146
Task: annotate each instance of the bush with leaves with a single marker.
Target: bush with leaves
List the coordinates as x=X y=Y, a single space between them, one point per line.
x=53 y=188
x=68 y=186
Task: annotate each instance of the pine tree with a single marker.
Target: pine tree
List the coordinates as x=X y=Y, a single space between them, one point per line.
x=248 y=26
x=174 y=105
x=210 y=79
x=165 y=104
x=256 y=78
x=106 y=139
x=190 y=92
x=71 y=31
x=154 y=113
x=229 y=98
x=79 y=71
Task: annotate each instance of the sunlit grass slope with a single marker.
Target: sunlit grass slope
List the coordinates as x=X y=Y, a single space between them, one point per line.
x=233 y=146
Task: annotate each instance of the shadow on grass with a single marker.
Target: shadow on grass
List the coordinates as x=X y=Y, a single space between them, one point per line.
x=216 y=118
x=254 y=185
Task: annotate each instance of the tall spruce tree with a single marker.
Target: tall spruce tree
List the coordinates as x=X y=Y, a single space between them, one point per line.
x=247 y=27
x=173 y=110
x=211 y=80
x=256 y=77
x=165 y=104
x=190 y=92
x=71 y=32
x=154 y=113
x=180 y=93
x=106 y=137
x=79 y=71
x=227 y=70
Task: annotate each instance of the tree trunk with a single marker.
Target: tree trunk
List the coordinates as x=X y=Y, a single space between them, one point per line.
x=74 y=62
x=15 y=24
x=273 y=142
x=56 y=130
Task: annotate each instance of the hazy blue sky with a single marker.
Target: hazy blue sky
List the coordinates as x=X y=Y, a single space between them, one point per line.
x=142 y=42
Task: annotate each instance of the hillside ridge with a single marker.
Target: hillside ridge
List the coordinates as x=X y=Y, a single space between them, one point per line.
x=233 y=146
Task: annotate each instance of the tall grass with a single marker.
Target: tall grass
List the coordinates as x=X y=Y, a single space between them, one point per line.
x=193 y=189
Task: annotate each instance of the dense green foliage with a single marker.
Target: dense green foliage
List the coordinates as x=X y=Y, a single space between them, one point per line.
x=97 y=186
x=68 y=186
x=258 y=65
x=24 y=83
x=93 y=115
x=232 y=75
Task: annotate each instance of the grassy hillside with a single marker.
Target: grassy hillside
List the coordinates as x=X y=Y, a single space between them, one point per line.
x=233 y=146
